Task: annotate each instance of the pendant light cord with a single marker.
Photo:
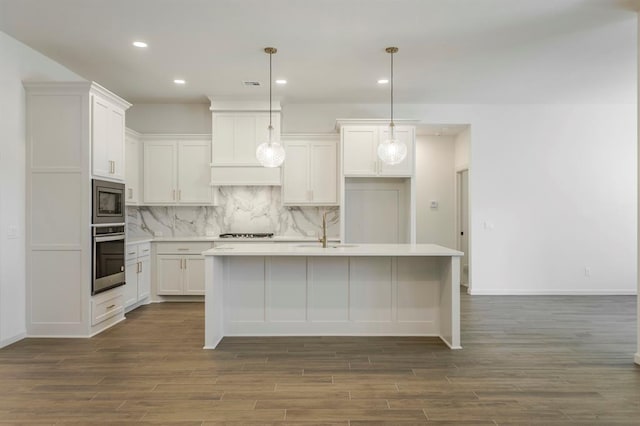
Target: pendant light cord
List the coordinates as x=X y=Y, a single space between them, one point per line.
x=392 y=89
x=270 y=125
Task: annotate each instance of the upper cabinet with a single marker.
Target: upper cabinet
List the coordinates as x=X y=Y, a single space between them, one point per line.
x=107 y=135
x=132 y=167
x=237 y=135
x=310 y=175
x=177 y=170
x=360 y=150
x=237 y=130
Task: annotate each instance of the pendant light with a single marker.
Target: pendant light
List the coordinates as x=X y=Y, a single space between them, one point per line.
x=392 y=150
x=270 y=153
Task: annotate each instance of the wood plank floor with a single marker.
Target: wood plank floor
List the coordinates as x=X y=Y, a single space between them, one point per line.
x=526 y=360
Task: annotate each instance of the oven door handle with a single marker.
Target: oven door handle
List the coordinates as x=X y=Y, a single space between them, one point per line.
x=109 y=238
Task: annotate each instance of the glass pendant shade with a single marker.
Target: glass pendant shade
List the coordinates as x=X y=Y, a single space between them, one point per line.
x=392 y=150
x=270 y=154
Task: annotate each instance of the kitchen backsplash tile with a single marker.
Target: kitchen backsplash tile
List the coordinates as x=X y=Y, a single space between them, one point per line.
x=240 y=209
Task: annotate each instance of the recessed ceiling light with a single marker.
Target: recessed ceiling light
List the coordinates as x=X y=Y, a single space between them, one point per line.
x=281 y=81
x=179 y=81
x=383 y=81
x=140 y=44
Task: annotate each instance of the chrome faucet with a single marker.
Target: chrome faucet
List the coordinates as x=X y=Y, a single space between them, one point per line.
x=323 y=239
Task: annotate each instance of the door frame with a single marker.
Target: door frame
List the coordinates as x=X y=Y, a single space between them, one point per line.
x=458 y=194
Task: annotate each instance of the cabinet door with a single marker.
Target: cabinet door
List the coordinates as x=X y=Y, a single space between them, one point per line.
x=223 y=138
x=131 y=286
x=359 y=144
x=323 y=173
x=144 y=278
x=194 y=172
x=160 y=176
x=132 y=168
x=194 y=274
x=296 y=188
x=237 y=135
x=407 y=135
x=115 y=148
x=100 y=121
x=169 y=274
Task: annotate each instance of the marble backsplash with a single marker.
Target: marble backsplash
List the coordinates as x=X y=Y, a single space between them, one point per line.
x=239 y=209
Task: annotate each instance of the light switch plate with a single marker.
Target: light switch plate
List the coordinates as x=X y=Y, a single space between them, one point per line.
x=12 y=232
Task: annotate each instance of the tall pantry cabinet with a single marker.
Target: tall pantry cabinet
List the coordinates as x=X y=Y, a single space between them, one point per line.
x=75 y=131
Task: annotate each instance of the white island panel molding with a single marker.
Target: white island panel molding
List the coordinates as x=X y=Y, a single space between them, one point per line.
x=341 y=290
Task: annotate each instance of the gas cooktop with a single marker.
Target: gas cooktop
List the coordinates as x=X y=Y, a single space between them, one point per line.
x=247 y=235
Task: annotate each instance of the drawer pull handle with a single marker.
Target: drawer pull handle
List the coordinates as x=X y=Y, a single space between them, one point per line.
x=131 y=252
x=183 y=249
x=111 y=306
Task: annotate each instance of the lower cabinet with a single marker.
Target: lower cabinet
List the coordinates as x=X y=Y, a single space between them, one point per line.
x=137 y=275
x=180 y=269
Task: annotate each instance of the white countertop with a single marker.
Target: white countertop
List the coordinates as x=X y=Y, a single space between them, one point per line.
x=334 y=249
x=276 y=239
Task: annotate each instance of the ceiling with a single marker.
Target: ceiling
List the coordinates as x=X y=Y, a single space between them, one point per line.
x=332 y=51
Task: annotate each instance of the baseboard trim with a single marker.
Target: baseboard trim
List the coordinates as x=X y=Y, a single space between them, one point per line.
x=474 y=292
x=12 y=340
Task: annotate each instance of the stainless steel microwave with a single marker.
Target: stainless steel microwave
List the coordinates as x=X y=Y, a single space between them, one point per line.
x=108 y=202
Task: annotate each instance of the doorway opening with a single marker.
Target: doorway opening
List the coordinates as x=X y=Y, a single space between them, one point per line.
x=462 y=231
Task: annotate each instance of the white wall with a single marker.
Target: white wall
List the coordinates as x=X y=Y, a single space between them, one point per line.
x=435 y=180
x=462 y=150
x=17 y=63
x=170 y=118
x=554 y=184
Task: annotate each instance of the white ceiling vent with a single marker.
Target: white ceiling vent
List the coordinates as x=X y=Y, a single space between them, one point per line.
x=251 y=83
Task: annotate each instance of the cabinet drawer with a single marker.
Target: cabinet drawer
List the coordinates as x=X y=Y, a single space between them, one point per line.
x=144 y=249
x=183 y=248
x=131 y=252
x=107 y=308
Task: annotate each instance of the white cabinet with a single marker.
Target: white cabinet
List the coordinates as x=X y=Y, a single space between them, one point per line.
x=137 y=275
x=107 y=138
x=177 y=171
x=180 y=268
x=360 y=151
x=310 y=171
x=132 y=168
x=237 y=135
x=73 y=130
x=237 y=130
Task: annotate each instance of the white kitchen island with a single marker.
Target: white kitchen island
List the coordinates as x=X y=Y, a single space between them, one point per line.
x=341 y=290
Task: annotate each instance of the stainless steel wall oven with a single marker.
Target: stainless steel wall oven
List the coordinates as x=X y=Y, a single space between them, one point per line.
x=108 y=258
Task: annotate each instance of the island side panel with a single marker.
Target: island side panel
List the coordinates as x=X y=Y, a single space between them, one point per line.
x=418 y=294
x=450 y=301
x=286 y=289
x=371 y=291
x=213 y=301
x=328 y=279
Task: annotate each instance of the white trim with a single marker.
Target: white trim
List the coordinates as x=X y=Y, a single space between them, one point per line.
x=243 y=106
x=373 y=121
x=12 y=340
x=637 y=358
x=552 y=292
x=174 y=136
x=131 y=132
x=334 y=136
x=447 y=343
